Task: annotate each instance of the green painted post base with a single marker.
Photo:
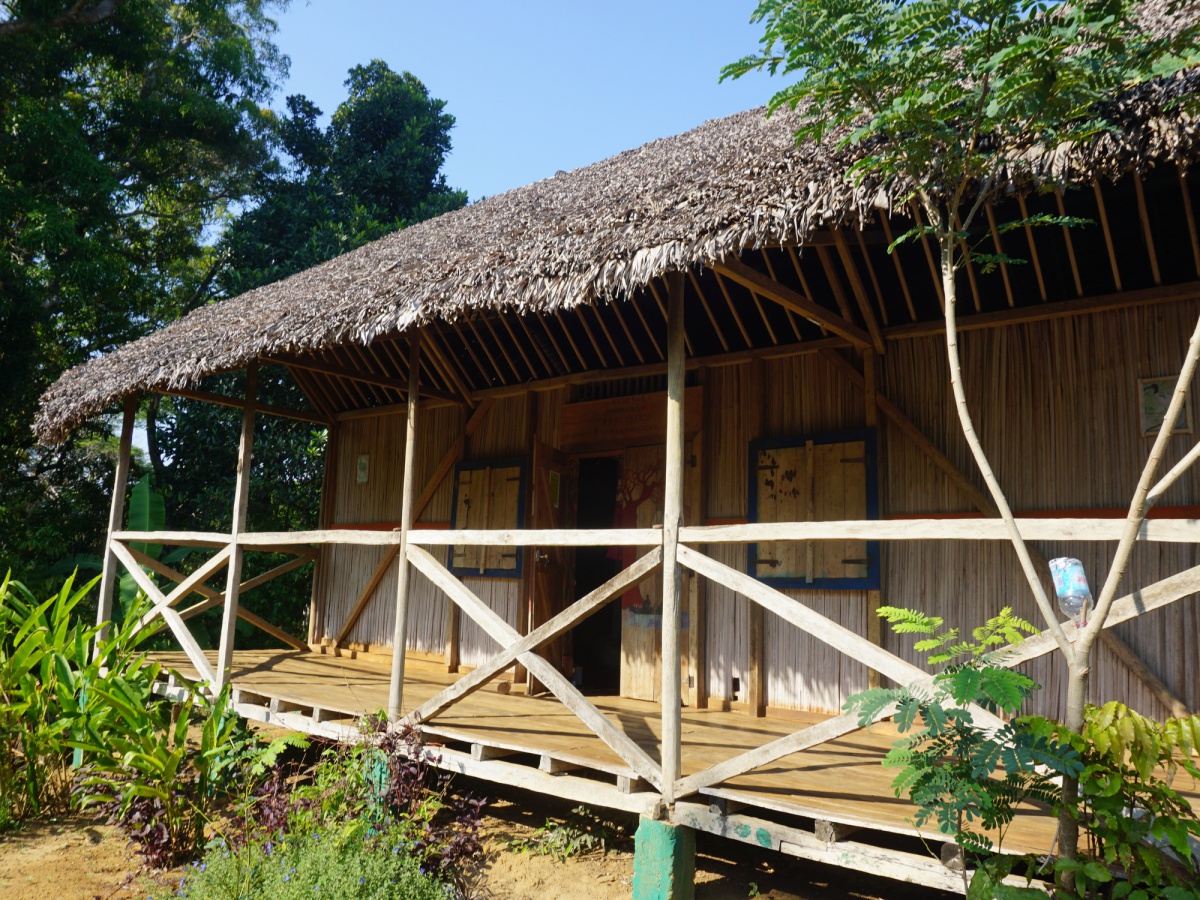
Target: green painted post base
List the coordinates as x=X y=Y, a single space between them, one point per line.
x=664 y=861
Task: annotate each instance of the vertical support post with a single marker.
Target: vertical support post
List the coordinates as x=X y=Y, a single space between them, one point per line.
x=400 y=635
x=241 y=500
x=874 y=598
x=672 y=620
x=327 y=514
x=116 y=516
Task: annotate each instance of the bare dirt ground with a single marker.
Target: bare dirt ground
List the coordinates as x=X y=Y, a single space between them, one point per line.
x=78 y=859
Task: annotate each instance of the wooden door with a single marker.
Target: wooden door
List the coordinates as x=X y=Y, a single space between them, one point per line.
x=640 y=505
x=548 y=582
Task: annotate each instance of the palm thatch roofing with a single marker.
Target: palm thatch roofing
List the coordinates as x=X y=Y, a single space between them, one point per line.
x=593 y=235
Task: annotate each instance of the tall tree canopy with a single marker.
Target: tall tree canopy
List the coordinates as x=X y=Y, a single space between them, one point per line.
x=374 y=169
x=127 y=127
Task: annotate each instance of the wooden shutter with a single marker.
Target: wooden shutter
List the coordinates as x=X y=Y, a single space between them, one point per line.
x=487 y=497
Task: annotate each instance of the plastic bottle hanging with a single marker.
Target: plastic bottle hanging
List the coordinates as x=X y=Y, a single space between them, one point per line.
x=1071 y=585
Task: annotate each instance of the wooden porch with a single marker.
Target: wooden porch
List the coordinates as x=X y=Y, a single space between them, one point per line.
x=832 y=802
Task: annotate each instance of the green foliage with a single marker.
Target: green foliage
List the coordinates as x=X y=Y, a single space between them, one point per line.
x=158 y=783
x=51 y=686
x=354 y=863
x=122 y=143
x=1138 y=829
x=965 y=779
x=582 y=833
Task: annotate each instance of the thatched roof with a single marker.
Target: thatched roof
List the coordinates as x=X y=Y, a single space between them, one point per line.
x=594 y=234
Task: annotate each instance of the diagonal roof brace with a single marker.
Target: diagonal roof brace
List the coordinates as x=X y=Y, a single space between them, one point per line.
x=765 y=286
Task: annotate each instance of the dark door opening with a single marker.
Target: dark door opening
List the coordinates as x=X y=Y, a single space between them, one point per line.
x=597 y=640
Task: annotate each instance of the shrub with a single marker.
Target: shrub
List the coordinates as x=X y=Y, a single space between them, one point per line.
x=355 y=862
x=51 y=686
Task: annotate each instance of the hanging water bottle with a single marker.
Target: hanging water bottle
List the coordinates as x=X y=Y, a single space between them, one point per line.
x=1070 y=583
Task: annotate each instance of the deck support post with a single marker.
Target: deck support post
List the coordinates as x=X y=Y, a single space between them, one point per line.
x=116 y=518
x=672 y=594
x=241 y=500
x=664 y=861
x=400 y=635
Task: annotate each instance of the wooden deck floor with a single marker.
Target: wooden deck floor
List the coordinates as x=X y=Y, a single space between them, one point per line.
x=841 y=781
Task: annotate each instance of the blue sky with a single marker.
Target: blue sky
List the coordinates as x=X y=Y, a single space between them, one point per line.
x=535 y=86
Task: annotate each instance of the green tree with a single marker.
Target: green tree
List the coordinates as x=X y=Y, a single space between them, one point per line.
x=943 y=103
x=127 y=127
x=375 y=169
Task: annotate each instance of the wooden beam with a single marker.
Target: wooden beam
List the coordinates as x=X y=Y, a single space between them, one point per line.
x=708 y=312
x=1108 y=239
x=1033 y=251
x=564 y=621
x=750 y=278
x=662 y=308
x=871 y=420
x=186 y=641
x=186 y=584
x=672 y=574
x=1062 y=211
x=283 y=412
x=737 y=317
x=116 y=518
x=1189 y=290
x=400 y=631
x=357 y=375
x=646 y=325
x=1193 y=236
x=607 y=334
x=859 y=291
x=991 y=217
x=1146 y=231
x=241 y=503
x=908 y=300
x=637 y=351
x=619 y=742
x=876 y=289
x=365 y=595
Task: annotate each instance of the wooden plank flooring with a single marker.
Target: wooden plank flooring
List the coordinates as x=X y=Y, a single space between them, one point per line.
x=841 y=781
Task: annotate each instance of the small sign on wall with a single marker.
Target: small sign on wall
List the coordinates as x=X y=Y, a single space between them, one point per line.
x=1154 y=396
x=364 y=468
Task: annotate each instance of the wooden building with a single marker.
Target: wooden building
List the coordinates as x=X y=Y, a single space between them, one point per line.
x=700 y=357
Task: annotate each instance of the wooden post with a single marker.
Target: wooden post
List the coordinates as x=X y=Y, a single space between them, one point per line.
x=116 y=518
x=241 y=499
x=400 y=635
x=874 y=598
x=672 y=521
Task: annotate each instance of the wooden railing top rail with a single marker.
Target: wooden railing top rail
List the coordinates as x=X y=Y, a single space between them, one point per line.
x=1185 y=531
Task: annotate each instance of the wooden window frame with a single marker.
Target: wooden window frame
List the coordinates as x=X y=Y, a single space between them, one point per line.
x=508 y=462
x=871 y=453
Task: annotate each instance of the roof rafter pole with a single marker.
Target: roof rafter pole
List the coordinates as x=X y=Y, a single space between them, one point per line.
x=579 y=310
x=708 y=311
x=533 y=372
x=241 y=502
x=835 y=283
x=738 y=271
x=1108 y=240
x=499 y=343
x=487 y=352
x=283 y=412
x=637 y=351
x=1191 y=219
x=649 y=331
x=919 y=222
x=1062 y=211
x=483 y=370
x=368 y=397
x=737 y=316
x=908 y=300
x=440 y=344
x=608 y=334
x=400 y=634
x=116 y=518
x=991 y=217
x=536 y=346
x=1033 y=251
x=351 y=375
x=570 y=339
x=860 y=292
x=662 y=308
x=803 y=284
x=969 y=266
x=314 y=391
x=444 y=366
x=543 y=320
x=862 y=245
x=1144 y=215
x=672 y=574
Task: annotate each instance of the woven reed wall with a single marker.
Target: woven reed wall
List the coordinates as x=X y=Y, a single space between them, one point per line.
x=1057 y=410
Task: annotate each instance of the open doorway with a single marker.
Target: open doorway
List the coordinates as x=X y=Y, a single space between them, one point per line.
x=597 y=640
